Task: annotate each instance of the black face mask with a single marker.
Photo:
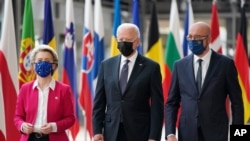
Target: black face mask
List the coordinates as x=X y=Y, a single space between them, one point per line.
x=126 y=48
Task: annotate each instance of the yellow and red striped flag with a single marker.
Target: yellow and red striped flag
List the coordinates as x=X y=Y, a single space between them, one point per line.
x=242 y=64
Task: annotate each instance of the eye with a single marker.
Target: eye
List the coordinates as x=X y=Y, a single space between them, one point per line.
x=38 y=61
x=196 y=37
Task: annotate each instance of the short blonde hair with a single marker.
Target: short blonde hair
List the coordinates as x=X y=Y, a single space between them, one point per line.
x=46 y=48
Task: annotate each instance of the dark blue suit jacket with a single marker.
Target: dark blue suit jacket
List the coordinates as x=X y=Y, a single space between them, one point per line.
x=208 y=107
x=140 y=107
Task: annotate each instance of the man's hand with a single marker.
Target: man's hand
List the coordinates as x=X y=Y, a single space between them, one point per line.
x=151 y=140
x=98 y=137
x=172 y=138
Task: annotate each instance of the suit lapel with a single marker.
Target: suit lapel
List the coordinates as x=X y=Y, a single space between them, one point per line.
x=210 y=70
x=190 y=70
x=115 y=76
x=138 y=66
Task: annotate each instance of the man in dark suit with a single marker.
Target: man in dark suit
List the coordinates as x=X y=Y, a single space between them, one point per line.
x=130 y=109
x=201 y=89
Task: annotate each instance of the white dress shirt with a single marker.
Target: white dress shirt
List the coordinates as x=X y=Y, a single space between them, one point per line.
x=43 y=95
x=205 y=64
x=130 y=64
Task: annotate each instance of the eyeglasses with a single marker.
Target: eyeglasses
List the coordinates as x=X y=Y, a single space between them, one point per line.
x=129 y=40
x=196 y=37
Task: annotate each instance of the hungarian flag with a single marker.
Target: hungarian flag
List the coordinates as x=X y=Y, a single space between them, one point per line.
x=173 y=50
x=136 y=21
x=26 y=73
x=155 y=50
x=48 y=32
x=69 y=62
x=241 y=62
x=116 y=23
x=86 y=95
x=8 y=76
x=189 y=20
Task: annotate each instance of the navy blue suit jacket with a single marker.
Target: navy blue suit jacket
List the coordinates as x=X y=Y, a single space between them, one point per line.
x=140 y=108
x=208 y=107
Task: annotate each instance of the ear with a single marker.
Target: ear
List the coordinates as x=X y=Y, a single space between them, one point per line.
x=33 y=66
x=137 y=42
x=54 y=66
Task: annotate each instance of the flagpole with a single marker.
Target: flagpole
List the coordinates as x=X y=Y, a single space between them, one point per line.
x=17 y=20
x=242 y=3
x=234 y=16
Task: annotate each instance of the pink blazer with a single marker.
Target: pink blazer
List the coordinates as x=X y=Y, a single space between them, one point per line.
x=60 y=109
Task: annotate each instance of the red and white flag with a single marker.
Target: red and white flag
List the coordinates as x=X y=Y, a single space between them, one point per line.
x=8 y=76
x=216 y=43
x=86 y=94
x=215 y=32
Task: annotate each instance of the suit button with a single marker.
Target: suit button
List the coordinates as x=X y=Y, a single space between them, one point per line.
x=122 y=101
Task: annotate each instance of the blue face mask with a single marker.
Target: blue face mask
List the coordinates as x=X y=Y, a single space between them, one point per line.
x=196 y=46
x=43 y=68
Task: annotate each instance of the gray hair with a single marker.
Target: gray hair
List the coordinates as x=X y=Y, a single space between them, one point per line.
x=129 y=26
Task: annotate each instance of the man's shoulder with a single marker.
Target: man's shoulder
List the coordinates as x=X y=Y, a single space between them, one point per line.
x=221 y=57
x=147 y=60
x=185 y=59
x=111 y=59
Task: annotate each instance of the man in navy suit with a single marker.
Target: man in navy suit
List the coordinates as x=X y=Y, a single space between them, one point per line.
x=132 y=111
x=201 y=89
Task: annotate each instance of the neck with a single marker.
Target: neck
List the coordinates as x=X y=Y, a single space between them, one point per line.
x=204 y=53
x=44 y=82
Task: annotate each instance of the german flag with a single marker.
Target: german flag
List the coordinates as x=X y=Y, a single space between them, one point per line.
x=242 y=64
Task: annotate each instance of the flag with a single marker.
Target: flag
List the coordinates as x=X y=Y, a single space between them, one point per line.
x=241 y=62
x=98 y=42
x=69 y=62
x=136 y=21
x=116 y=23
x=189 y=20
x=48 y=33
x=215 y=32
x=215 y=41
x=86 y=95
x=173 y=49
x=155 y=50
x=26 y=73
x=8 y=76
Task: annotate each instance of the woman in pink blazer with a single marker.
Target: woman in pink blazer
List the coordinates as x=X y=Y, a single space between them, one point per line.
x=44 y=108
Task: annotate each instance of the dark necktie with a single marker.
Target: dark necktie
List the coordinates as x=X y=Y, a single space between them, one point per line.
x=124 y=76
x=199 y=76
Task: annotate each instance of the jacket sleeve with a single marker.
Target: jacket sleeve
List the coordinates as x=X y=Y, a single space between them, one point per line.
x=157 y=107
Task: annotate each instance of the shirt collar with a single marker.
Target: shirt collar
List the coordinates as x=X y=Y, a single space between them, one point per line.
x=131 y=59
x=52 y=84
x=206 y=57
